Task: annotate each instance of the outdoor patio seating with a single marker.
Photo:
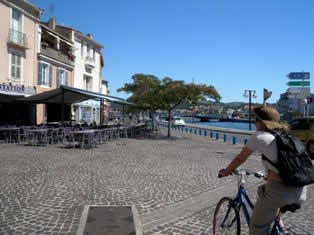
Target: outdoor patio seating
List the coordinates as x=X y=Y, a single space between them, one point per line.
x=71 y=136
x=60 y=134
x=24 y=134
x=123 y=132
x=84 y=138
x=10 y=134
x=39 y=137
x=97 y=137
x=104 y=136
x=68 y=138
x=52 y=135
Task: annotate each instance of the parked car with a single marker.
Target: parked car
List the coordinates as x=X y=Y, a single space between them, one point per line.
x=303 y=128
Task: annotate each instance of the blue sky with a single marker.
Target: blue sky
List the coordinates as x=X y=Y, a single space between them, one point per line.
x=232 y=45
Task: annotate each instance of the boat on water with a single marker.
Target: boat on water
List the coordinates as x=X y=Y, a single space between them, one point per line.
x=175 y=121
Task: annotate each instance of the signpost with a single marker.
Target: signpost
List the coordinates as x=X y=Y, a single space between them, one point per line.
x=299 y=75
x=299 y=83
x=299 y=90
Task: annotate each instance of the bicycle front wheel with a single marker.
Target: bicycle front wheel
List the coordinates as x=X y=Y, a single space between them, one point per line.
x=226 y=218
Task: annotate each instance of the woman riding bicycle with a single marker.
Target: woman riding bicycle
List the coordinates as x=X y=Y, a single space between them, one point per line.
x=273 y=194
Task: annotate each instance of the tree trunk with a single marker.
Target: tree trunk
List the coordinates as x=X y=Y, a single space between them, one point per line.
x=152 y=114
x=169 y=121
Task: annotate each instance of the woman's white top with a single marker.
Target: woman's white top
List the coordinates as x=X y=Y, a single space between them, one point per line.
x=265 y=143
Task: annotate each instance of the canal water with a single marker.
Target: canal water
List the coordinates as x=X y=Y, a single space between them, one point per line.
x=233 y=125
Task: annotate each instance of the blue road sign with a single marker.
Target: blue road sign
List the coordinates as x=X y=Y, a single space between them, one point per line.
x=299 y=75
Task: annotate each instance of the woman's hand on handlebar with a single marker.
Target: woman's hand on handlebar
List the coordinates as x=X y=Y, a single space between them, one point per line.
x=223 y=173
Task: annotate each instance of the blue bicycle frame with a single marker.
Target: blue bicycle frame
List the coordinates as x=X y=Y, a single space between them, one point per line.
x=239 y=202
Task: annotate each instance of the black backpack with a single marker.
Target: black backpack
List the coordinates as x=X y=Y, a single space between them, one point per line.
x=294 y=163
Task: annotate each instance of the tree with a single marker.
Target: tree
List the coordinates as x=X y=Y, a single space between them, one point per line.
x=153 y=94
x=174 y=92
x=144 y=90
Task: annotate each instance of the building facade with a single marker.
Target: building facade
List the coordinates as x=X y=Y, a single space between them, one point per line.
x=294 y=101
x=55 y=68
x=19 y=22
x=88 y=66
x=40 y=56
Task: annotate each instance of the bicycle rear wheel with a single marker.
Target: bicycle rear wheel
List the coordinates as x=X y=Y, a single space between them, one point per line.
x=226 y=218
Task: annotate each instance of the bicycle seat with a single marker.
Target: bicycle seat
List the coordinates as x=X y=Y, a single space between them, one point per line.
x=290 y=207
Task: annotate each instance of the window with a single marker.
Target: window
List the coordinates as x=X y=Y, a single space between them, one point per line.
x=16 y=21
x=88 y=50
x=44 y=74
x=82 y=48
x=62 y=77
x=88 y=70
x=16 y=29
x=87 y=83
x=16 y=66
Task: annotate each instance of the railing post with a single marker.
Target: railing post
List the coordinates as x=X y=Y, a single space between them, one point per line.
x=234 y=139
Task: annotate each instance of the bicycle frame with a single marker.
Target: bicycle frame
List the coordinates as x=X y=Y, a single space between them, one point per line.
x=239 y=202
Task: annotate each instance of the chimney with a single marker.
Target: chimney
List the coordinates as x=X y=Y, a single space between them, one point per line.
x=90 y=36
x=52 y=23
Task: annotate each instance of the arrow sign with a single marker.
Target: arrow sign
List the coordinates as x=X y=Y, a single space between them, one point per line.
x=307 y=83
x=299 y=75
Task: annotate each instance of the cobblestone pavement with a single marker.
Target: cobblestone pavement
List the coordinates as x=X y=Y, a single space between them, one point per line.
x=173 y=183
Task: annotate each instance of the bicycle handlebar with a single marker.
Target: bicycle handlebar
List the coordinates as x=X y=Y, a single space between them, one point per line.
x=246 y=172
x=257 y=174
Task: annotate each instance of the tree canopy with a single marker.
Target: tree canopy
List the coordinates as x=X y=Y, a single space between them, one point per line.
x=152 y=93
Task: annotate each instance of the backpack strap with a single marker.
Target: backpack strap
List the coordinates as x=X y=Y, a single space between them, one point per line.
x=275 y=133
x=269 y=161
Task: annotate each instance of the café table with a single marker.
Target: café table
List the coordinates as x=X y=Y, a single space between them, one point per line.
x=9 y=132
x=83 y=138
x=38 y=137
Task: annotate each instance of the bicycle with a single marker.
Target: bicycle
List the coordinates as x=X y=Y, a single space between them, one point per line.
x=231 y=223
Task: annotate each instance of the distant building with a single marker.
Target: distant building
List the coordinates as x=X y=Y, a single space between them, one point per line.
x=295 y=101
x=18 y=63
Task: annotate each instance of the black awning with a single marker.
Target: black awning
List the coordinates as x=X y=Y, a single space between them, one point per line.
x=70 y=95
x=6 y=98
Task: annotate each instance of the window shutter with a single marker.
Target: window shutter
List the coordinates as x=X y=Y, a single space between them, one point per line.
x=40 y=73
x=58 y=78
x=50 y=76
x=66 y=78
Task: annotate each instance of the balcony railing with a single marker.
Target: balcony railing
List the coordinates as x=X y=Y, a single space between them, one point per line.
x=55 y=54
x=18 y=38
x=89 y=61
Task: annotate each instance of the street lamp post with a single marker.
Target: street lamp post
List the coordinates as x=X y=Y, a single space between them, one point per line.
x=250 y=93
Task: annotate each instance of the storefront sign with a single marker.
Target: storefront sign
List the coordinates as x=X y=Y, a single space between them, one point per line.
x=8 y=87
x=11 y=89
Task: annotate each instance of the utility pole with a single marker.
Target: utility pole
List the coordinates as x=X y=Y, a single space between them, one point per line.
x=250 y=93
